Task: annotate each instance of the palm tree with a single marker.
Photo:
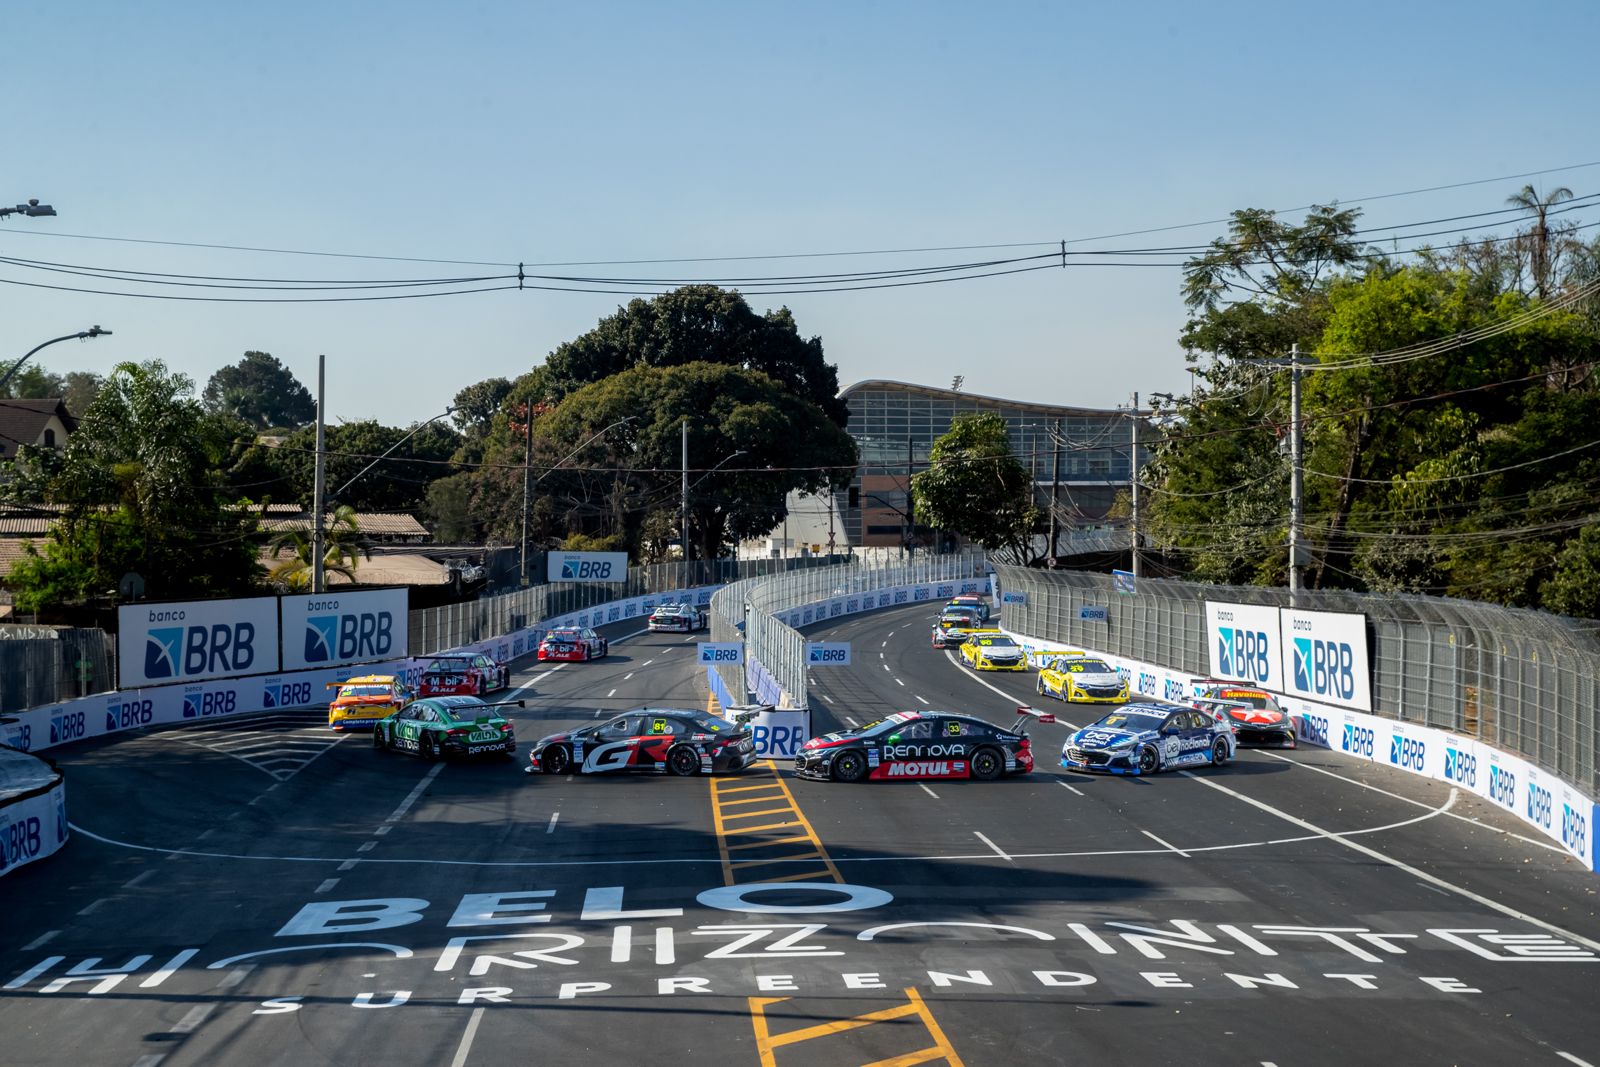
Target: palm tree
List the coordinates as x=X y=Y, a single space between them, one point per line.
x=343 y=549
x=1530 y=201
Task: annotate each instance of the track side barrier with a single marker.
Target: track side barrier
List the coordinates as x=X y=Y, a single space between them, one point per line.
x=1555 y=808
x=33 y=809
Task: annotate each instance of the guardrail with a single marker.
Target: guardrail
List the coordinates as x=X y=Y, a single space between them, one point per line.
x=33 y=809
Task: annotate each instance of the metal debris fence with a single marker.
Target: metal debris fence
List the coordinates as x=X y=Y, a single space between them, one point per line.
x=1523 y=681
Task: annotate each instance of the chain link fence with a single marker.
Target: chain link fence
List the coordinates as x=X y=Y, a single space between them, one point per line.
x=44 y=664
x=1522 y=681
x=744 y=610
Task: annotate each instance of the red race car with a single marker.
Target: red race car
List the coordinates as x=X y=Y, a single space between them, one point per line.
x=576 y=644
x=466 y=674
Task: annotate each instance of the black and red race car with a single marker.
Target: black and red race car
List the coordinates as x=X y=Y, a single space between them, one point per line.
x=1254 y=714
x=661 y=740
x=573 y=644
x=462 y=674
x=921 y=744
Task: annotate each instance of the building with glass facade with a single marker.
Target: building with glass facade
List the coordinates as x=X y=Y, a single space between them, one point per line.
x=1082 y=452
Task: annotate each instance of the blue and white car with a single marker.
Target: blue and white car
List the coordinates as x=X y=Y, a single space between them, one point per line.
x=1148 y=737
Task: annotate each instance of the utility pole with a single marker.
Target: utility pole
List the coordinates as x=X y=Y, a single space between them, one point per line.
x=1055 y=480
x=1133 y=478
x=319 y=582
x=527 y=493
x=906 y=527
x=683 y=503
x=1296 y=477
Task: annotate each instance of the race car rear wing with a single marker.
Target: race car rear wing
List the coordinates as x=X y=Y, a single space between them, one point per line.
x=501 y=704
x=741 y=714
x=1025 y=714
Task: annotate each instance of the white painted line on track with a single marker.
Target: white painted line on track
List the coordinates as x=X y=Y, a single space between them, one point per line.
x=236 y=976
x=348 y=865
x=921 y=699
x=928 y=791
x=1071 y=788
x=1372 y=853
x=885 y=666
x=826 y=697
x=1570 y=1058
x=135 y=882
x=40 y=941
x=1164 y=844
x=193 y=1018
x=151 y=1060
x=884 y=645
x=611 y=694
x=898 y=682
x=554 y=815
x=93 y=907
x=951 y=656
x=994 y=846
x=465 y=1047
x=385 y=828
x=367 y=846
x=625 y=677
x=531 y=682
x=327 y=884
x=851 y=721
x=646 y=663
x=1418 y=803
x=416 y=792
x=170 y=968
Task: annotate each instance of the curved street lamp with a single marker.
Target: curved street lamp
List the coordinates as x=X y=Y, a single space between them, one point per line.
x=93 y=331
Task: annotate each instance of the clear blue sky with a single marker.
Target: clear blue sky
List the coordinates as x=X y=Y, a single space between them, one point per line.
x=553 y=132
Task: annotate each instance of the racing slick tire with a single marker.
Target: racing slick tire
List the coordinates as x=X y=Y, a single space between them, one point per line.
x=1040 y=685
x=683 y=761
x=378 y=742
x=605 y=649
x=987 y=765
x=1219 y=752
x=850 y=767
x=556 y=760
x=1149 y=760
x=428 y=747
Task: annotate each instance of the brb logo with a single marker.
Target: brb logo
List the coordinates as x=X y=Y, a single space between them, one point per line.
x=778 y=741
x=1326 y=668
x=67 y=726
x=1314 y=728
x=1460 y=766
x=1243 y=653
x=1540 y=805
x=1574 y=829
x=1502 y=786
x=1407 y=752
x=577 y=570
x=202 y=705
x=353 y=635
x=286 y=695
x=1357 y=740
x=184 y=651
x=121 y=714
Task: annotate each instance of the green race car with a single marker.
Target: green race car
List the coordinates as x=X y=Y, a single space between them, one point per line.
x=437 y=727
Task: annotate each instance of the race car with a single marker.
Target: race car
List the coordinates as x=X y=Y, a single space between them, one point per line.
x=1148 y=737
x=921 y=744
x=1254 y=714
x=462 y=674
x=954 y=625
x=991 y=650
x=1083 y=680
x=440 y=727
x=573 y=644
x=662 y=740
x=678 y=618
x=973 y=601
x=361 y=702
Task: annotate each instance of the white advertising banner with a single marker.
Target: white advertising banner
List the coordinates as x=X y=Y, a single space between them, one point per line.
x=188 y=641
x=346 y=626
x=1325 y=657
x=587 y=566
x=1243 y=643
x=33 y=827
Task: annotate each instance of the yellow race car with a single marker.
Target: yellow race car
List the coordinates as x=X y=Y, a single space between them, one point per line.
x=991 y=650
x=1083 y=680
x=362 y=701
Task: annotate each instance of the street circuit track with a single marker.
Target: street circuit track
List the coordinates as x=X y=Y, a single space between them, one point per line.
x=363 y=908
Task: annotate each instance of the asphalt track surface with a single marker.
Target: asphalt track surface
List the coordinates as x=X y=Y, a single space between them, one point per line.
x=1290 y=908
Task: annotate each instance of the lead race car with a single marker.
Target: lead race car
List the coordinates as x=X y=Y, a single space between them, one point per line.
x=663 y=740
x=1148 y=737
x=921 y=744
x=678 y=618
x=573 y=644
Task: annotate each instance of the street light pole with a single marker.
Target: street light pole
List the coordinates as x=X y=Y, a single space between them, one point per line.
x=319 y=480
x=93 y=331
x=1296 y=477
x=33 y=209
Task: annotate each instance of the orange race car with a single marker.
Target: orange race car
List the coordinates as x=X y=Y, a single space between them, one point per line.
x=362 y=701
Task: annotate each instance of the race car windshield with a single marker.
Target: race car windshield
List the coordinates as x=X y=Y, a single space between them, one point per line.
x=1138 y=720
x=1086 y=666
x=997 y=642
x=365 y=691
x=1255 y=700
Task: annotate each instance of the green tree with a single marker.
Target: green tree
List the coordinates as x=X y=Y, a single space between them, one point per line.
x=343 y=549
x=398 y=482
x=141 y=492
x=975 y=486
x=262 y=391
x=1539 y=207
x=33 y=382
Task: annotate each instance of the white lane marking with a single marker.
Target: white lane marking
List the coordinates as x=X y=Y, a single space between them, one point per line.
x=1372 y=853
x=625 y=677
x=1418 y=803
x=891 y=634
x=168 y=969
x=40 y=941
x=151 y=1060
x=851 y=721
x=994 y=846
x=1164 y=844
x=193 y=1018
x=140 y=880
x=531 y=682
x=554 y=815
x=885 y=666
x=646 y=663
x=1071 y=788
x=92 y=908
x=928 y=791
x=1570 y=1058
x=416 y=792
x=920 y=699
x=205 y=835
x=611 y=694
x=898 y=682
x=466 y=1038
x=235 y=976
x=826 y=697
x=385 y=828
x=349 y=864
x=884 y=645
x=327 y=884
x=367 y=846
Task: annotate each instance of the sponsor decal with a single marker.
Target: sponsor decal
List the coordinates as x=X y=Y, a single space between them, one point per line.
x=201 y=704
x=926 y=769
x=1314 y=729
x=122 y=714
x=1407 y=752
x=66 y=726
x=1460 y=766
x=1357 y=740
x=1502 y=786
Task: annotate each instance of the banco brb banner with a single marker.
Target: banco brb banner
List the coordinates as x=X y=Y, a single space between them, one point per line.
x=329 y=629
x=189 y=641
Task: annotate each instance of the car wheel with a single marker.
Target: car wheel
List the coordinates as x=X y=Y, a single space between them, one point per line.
x=1149 y=761
x=987 y=765
x=1040 y=686
x=1219 y=751
x=849 y=767
x=682 y=761
x=427 y=747
x=556 y=760
x=378 y=742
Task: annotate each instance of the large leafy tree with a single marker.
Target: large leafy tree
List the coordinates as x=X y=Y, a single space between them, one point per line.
x=140 y=491
x=261 y=391
x=699 y=324
x=294 y=553
x=397 y=482
x=975 y=486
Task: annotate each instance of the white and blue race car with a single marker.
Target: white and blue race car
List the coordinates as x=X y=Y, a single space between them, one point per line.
x=1149 y=737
